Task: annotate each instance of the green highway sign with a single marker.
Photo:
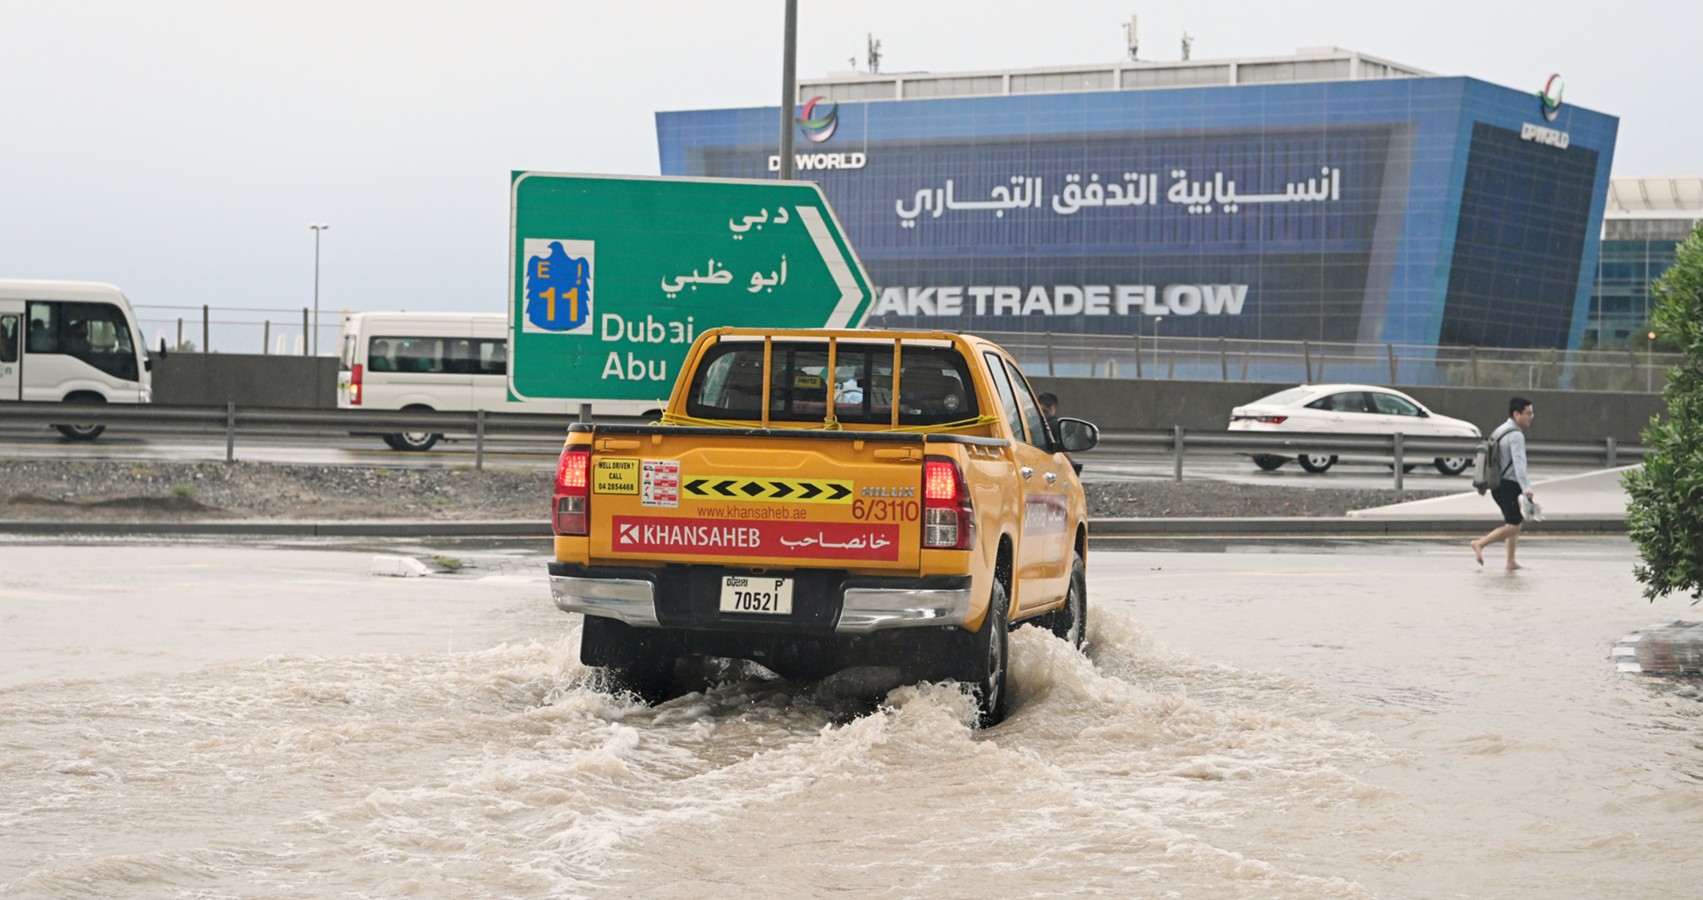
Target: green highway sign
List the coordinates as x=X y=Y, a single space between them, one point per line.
x=613 y=277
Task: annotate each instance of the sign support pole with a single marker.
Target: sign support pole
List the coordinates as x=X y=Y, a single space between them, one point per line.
x=789 y=86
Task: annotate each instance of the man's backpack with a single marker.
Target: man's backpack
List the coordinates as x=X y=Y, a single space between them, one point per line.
x=1487 y=464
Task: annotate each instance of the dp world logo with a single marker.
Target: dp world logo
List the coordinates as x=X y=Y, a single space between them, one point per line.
x=1550 y=97
x=819 y=119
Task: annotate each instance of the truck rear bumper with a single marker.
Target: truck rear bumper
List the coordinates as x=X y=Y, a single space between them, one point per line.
x=874 y=607
x=846 y=605
x=632 y=600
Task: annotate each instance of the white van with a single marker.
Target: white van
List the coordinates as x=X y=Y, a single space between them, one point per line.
x=71 y=341
x=438 y=361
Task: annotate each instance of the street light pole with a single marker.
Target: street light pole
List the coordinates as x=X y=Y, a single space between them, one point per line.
x=317 y=228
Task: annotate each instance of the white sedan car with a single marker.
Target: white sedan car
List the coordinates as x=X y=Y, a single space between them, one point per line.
x=1347 y=409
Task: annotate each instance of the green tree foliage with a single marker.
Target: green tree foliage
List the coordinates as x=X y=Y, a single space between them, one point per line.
x=1665 y=512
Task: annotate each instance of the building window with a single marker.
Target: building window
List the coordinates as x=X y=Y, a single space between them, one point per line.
x=1061 y=81
x=955 y=87
x=1175 y=76
x=1304 y=70
x=856 y=90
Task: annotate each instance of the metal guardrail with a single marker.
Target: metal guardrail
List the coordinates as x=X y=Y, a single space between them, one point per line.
x=1177 y=442
x=229 y=420
x=1399 y=449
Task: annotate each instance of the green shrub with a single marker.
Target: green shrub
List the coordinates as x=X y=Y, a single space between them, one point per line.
x=1664 y=513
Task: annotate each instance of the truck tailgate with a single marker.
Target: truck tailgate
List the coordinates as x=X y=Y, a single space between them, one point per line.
x=790 y=499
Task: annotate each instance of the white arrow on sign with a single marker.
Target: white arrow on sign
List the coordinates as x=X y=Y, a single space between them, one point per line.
x=850 y=294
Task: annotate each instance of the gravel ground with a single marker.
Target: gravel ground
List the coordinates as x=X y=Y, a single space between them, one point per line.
x=119 y=491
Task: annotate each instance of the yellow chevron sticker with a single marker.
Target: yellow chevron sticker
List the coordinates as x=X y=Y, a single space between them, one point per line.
x=768 y=490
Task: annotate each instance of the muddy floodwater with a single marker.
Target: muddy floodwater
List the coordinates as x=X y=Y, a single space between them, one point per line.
x=1251 y=720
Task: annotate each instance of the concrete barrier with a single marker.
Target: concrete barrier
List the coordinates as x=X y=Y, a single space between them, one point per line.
x=248 y=380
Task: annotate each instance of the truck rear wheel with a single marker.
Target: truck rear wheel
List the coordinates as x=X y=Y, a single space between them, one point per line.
x=631 y=661
x=651 y=681
x=984 y=664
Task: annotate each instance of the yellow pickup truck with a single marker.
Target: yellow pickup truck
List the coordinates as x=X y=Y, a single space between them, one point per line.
x=816 y=500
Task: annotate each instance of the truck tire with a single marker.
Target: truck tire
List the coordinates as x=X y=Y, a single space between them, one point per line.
x=651 y=681
x=986 y=660
x=630 y=661
x=1075 y=610
x=1070 y=621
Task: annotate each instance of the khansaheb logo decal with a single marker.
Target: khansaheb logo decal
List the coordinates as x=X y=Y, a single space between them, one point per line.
x=1550 y=97
x=720 y=537
x=819 y=119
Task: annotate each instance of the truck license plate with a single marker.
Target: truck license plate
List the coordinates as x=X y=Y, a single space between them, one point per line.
x=756 y=594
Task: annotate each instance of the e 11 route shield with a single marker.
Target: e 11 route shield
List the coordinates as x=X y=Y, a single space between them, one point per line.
x=611 y=278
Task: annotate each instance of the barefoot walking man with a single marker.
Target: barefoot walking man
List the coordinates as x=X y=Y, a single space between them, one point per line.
x=1515 y=481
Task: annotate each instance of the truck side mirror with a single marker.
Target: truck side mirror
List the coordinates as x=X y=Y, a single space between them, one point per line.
x=1076 y=435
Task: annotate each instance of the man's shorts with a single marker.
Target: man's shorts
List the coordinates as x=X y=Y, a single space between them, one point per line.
x=1507 y=496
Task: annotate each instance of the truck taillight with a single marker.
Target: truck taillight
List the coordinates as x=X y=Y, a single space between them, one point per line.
x=355 y=385
x=948 y=519
x=573 y=491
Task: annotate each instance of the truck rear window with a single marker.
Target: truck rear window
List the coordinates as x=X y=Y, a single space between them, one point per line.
x=934 y=383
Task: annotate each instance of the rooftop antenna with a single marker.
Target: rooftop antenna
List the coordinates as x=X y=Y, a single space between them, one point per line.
x=1130 y=36
x=1188 y=44
x=874 y=54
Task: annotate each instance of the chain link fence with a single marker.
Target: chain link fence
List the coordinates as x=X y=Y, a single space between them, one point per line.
x=221 y=329
x=290 y=332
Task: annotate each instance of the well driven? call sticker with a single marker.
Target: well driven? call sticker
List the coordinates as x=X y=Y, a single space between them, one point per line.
x=615 y=476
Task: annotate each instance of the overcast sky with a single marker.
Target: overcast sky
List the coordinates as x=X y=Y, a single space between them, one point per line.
x=180 y=149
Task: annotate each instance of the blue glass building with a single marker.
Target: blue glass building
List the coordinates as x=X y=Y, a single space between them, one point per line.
x=1330 y=196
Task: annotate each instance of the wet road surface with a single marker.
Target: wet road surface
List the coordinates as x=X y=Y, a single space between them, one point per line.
x=1291 y=719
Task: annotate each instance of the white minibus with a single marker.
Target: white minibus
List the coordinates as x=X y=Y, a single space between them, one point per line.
x=438 y=361
x=72 y=342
